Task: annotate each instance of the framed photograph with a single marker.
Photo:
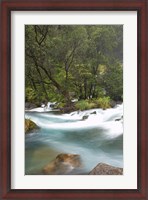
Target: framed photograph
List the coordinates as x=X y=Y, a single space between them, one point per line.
x=74 y=99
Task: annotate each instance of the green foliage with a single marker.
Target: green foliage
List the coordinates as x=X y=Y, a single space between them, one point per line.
x=85 y=105
x=30 y=95
x=82 y=59
x=103 y=102
x=113 y=81
x=54 y=96
x=61 y=105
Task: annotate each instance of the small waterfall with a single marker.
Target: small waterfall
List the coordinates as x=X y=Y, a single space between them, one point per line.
x=44 y=107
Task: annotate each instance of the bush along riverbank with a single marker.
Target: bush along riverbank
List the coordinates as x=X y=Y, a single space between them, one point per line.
x=87 y=104
x=75 y=105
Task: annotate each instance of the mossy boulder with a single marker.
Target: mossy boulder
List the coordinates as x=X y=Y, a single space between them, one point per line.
x=29 y=125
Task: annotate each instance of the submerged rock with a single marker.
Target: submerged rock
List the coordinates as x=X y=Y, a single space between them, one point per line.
x=63 y=164
x=29 y=125
x=105 y=169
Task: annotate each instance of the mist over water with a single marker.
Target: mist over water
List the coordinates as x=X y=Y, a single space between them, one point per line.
x=96 y=135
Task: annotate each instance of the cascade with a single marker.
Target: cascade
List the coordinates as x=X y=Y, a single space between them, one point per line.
x=96 y=135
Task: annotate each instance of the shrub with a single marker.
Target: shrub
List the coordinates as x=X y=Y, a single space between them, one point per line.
x=30 y=95
x=60 y=105
x=85 y=105
x=104 y=102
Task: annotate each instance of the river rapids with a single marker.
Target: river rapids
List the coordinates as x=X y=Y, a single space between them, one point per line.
x=96 y=135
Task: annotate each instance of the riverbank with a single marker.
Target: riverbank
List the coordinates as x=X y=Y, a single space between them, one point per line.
x=82 y=105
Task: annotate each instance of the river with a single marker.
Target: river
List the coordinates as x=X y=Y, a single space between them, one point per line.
x=96 y=135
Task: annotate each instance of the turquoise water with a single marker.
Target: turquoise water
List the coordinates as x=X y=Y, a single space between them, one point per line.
x=96 y=139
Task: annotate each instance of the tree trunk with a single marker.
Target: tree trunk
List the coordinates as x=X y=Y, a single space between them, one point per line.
x=43 y=86
x=85 y=88
x=64 y=92
x=33 y=83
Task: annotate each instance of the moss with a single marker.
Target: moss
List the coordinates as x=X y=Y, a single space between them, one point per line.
x=29 y=125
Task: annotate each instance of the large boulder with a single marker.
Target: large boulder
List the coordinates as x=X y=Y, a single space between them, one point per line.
x=105 y=169
x=63 y=164
x=29 y=125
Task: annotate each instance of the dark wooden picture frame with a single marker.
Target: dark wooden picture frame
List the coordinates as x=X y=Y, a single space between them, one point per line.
x=141 y=6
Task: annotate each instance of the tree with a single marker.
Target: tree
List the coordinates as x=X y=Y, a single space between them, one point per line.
x=79 y=59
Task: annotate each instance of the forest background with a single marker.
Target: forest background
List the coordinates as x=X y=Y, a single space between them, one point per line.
x=68 y=62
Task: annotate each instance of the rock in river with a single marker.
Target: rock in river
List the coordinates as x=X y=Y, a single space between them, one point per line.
x=29 y=125
x=105 y=169
x=63 y=164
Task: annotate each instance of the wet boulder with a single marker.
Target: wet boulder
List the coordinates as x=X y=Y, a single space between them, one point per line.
x=63 y=164
x=93 y=113
x=67 y=109
x=119 y=119
x=85 y=117
x=105 y=169
x=29 y=126
x=29 y=106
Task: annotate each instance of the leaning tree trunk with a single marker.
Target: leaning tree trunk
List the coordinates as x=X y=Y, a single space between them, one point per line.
x=43 y=86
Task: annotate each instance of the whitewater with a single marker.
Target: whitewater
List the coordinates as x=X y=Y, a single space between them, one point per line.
x=96 y=135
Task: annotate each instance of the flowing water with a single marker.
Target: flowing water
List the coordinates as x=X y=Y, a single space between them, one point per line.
x=96 y=135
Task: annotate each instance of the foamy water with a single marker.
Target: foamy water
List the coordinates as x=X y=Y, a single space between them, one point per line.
x=96 y=135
